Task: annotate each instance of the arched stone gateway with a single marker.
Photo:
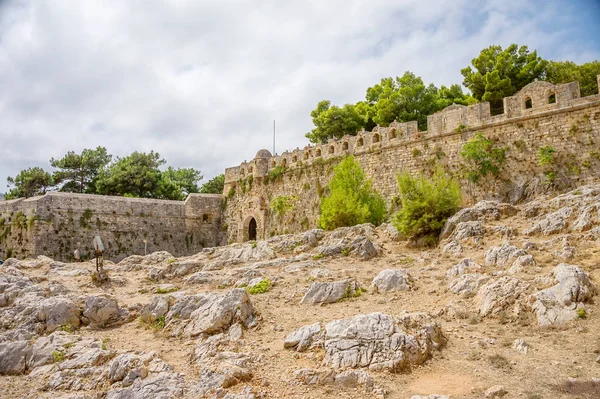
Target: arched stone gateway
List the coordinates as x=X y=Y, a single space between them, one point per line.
x=252 y=230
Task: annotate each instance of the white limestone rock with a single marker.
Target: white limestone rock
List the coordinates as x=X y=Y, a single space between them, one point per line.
x=104 y=311
x=502 y=255
x=381 y=342
x=329 y=292
x=465 y=266
x=392 y=280
x=501 y=294
x=468 y=284
x=304 y=338
x=558 y=304
x=58 y=311
x=12 y=355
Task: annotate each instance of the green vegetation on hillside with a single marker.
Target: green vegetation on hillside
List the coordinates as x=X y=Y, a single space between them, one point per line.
x=352 y=199
x=426 y=205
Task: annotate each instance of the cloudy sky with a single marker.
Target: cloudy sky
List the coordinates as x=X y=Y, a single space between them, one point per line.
x=201 y=81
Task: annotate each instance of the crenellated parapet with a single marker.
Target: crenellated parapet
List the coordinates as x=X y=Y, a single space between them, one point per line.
x=536 y=98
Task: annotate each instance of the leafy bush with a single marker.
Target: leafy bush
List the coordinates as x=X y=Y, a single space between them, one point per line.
x=426 y=205
x=352 y=199
x=483 y=158
x=167 y=290
x=58 y=356
x=261 y=287
x=546 y=155
x=283 y=204
x=20 y=221
x=275 y=174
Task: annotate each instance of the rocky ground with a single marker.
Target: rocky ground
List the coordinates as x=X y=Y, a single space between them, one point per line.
x=506 y=306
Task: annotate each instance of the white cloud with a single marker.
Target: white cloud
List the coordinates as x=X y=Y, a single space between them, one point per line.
x=201 y=81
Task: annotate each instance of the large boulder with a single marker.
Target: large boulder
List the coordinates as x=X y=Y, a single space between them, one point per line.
x=482 y=211
x=58 y=311
x=392 y=280
x=499 y=295
x=204 y=313
x=12 y=355
x=163 y=385
x=473 y=230
x=379 y=341
x=102 y=311
x=468 y=284
x=502 y=255
x=41 y=352
x=552 y=223
x=330 y=292
x=558 y=304
x=304 y=337
x=127 y=367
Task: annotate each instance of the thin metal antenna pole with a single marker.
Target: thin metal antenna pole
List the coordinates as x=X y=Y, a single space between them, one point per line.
x=273 y=136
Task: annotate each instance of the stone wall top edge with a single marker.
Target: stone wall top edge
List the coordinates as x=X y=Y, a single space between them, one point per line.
x=233 y=172
x=494 y=121
x=111 y=198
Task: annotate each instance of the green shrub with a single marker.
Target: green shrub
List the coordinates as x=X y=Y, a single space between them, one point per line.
x=546 y=155
x=159 y=323
x=276 y=173
x=483 y=158
x=167 y=290
x=58 y=356
x=261 y=287
x=352 y=199
x=416 y=153
x=426 y=205
x=581 y=313
x=460 y=128
x=283 y=204
x=20 y=221
x=31 y=221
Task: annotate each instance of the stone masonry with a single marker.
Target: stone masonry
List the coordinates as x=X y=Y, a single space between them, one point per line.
x=541 y=114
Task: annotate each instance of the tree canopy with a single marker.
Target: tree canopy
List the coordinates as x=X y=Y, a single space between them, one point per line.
x=401 y=99
x=78 y=172
x=494 y=74
x=498 y=73
x=352 y=199
x=29 y=183
x=334 y=122
x=92 y=172
x=566 y=71
x=214 y=185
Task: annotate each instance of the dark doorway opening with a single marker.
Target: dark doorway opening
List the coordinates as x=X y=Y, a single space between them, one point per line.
x=252 y=230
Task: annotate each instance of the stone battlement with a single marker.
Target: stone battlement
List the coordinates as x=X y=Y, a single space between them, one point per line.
x=535 y=99
x=541 y=114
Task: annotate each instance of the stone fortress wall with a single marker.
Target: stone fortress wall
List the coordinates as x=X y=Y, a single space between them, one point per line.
x=56 y=224
x=541 y=114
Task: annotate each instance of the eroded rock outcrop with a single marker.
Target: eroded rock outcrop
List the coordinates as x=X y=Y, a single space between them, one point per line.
x=377 y=341
x=392 y=280
x=559 y=303
x=330 y=292
x=204 y=313
x=103 y=311
x=502 y=294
